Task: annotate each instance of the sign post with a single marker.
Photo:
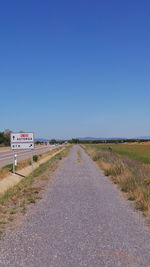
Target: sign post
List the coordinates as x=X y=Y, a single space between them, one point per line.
x=21 y=141
x=15 y=159
x=32 y=159
x=13 y=162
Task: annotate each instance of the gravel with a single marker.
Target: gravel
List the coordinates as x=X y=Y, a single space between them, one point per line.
x=82 y=220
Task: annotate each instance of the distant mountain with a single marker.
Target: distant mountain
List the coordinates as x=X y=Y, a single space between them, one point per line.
x=100 y=138
x=41 y=140
x=112 y=138
x=95 y=138
x=143 y=137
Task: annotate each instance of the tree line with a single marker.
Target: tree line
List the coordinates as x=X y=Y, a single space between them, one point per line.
x=106 y=141
x=5 y=138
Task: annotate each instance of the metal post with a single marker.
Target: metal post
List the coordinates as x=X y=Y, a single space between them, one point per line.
x=32 y=159
x=15 y=159
x=13 y=162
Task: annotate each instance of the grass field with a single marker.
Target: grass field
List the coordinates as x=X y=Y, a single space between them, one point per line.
x=140 y=152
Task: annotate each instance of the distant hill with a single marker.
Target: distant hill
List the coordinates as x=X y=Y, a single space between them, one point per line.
x=143 y=137
x=95 y=138
x=112 y=138
x=41 y=140
x=100 y=138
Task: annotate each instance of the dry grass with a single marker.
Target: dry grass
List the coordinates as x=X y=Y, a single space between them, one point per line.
x=131 y=176
x=14 y=202
x=6 y=170
x=79 y=156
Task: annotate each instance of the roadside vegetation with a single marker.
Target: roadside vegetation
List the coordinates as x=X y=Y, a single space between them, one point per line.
x=6 y=170
x=132 y=176
x=5 y=138
x=14 y=202
x=79 y=156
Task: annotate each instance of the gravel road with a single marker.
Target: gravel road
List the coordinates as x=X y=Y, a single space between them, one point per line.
x=82 y=220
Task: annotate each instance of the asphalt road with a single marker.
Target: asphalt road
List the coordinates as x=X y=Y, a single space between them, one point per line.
x=82 y=220
x=7 y=155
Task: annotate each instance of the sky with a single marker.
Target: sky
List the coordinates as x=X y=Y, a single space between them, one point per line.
x=75 y=68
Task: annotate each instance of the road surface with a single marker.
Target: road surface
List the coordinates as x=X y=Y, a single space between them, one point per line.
x=7 y=155
x=82 y=220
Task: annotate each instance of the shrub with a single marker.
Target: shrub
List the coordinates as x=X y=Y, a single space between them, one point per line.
x=35 y=158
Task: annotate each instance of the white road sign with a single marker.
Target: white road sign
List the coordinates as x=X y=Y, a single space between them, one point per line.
x=22 y=137
x=22 y=141
x=22 y=146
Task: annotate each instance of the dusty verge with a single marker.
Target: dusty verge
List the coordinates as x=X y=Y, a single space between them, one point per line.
x=14 y=179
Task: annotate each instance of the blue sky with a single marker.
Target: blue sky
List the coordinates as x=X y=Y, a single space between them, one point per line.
x=75 y=68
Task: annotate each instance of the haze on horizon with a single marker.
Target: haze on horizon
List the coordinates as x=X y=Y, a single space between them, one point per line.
x=75 y=69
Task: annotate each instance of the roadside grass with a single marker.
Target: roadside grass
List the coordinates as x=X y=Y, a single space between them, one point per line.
x=132 y=177
x=140 y=152
x=6 y=170
x=79 y=156
x=15 y=201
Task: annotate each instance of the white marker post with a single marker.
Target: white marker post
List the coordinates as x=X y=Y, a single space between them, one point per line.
x=15 y=163
x=15 y=159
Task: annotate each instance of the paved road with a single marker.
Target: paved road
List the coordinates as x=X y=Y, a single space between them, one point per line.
x=7 y=155
x=81 y=221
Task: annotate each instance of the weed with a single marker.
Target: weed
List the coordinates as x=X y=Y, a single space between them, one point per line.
x=3 y=222
x=23 y=209
x=79 y=156
x=43 y=178
x=13 y=211
x=131 y=198
x=1 y=232
x=35 y=158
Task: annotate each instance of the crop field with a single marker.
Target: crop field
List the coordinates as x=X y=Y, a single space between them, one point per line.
x=140 y=152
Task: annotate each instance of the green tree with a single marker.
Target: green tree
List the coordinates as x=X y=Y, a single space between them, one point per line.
x=52 y=141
